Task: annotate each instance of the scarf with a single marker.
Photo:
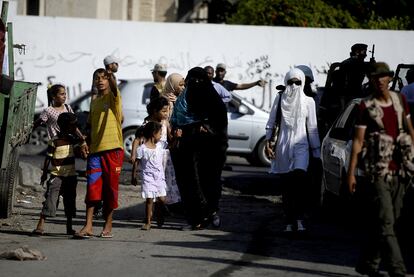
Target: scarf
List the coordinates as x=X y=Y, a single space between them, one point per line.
x=170 y=89
x=292 y=99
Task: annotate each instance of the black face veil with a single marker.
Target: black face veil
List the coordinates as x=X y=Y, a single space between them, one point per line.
x=203 y=99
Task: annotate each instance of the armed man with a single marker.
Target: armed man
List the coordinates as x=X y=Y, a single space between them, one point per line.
x=352 y=73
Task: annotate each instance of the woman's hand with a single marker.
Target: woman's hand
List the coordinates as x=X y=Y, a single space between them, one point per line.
x=269 y=151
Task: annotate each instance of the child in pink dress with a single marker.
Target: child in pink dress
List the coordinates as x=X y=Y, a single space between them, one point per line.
x=149 y=161
x=158 y=111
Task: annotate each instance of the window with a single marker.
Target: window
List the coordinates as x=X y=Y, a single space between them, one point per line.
x=343 y=128
x=32 y=7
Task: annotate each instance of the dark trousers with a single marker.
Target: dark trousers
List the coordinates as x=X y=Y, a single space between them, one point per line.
x=293 y=184
x=213 y=157
x=384 y=203
x=65 y=186
x=186 y=159
x=198 y=161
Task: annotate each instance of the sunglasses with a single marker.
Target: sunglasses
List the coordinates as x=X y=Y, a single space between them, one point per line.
x=291 y=82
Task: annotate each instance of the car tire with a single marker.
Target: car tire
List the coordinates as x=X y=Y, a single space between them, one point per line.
x=338 y=206
x=37 y=142
x=258 y=157
x=128 y=136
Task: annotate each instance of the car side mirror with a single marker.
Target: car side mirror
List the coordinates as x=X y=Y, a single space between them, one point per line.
x=243 y=109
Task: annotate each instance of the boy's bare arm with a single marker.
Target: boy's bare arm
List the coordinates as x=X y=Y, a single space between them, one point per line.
x=112 y=84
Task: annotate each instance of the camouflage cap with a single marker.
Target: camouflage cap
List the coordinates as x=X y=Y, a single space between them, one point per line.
x=380 y=69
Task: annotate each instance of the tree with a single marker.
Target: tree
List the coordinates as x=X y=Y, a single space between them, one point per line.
x=323 y=13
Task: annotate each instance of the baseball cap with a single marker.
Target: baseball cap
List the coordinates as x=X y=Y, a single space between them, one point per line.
x=221 y=65
x=159 y=67
x=110 y=59
x=380 y=69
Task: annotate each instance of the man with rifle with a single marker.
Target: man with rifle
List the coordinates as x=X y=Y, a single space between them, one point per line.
x=352 y=73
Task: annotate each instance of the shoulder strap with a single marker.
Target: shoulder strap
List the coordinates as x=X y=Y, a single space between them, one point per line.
x=278 y=116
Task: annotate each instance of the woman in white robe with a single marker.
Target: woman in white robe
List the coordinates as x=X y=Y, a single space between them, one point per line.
x=297 y=137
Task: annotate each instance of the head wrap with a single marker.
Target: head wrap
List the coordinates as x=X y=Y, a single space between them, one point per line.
x=204 y=100
x=292 y=98
x=171 y=83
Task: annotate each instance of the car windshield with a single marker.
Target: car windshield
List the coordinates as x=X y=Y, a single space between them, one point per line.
x=238 y=97
x=399 y=80
x=343 y=128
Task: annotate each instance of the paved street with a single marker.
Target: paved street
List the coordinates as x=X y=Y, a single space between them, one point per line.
x=249 y=242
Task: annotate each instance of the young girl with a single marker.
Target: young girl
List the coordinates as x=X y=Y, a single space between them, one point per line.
x=150 y=160
x=56 y=97
x=62 y=176
x=158 y=111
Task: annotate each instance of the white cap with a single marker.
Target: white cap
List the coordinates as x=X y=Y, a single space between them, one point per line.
x=110 y=59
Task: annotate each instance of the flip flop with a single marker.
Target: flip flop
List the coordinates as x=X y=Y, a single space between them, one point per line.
x=106 y=235
x=82 y=235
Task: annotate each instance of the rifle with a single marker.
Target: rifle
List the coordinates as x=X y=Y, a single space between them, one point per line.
x=372 y=59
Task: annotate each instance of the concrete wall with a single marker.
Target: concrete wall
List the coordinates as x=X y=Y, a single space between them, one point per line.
x=67 y=50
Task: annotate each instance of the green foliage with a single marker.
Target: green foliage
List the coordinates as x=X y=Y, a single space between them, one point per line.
x=393 y=23
x=318 y=13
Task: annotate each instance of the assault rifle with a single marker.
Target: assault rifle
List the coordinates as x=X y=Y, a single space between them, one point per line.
x=372 y=59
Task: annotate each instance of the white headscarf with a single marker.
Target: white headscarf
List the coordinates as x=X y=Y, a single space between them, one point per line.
x=170 y=91
x=292 y=99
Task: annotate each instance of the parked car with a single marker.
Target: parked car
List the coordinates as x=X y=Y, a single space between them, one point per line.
x=246 y=122
x=337 y=144
x=336 y=149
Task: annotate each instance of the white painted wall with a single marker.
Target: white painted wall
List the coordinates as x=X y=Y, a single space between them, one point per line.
x=68 y=50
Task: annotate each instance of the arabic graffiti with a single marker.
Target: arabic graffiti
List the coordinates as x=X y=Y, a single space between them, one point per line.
x=19 y=74
x=256 y=68
x=49 y=60
x=71 y=90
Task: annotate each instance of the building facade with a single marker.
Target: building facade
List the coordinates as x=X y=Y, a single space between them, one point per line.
x=133 y=10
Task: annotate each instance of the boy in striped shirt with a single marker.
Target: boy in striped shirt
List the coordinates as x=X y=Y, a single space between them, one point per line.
x=63 y=179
